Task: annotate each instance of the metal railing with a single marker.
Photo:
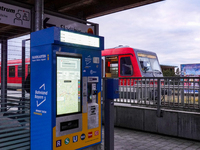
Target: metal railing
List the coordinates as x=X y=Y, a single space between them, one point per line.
x=15 y=122
x=162 y=92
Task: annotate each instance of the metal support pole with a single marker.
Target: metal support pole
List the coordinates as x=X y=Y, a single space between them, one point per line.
x=23 y=68
x=4 y=75
x=159 y=99
x=96 y=29
x=109 y=120
x=182 y=97
x=23 y=72
x=39 y=11
x=199 y=95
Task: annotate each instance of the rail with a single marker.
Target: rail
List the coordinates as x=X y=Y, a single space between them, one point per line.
x=162 y=92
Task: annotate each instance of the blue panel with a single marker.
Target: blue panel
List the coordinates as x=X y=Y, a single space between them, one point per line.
x=52 y=35
x=41 y=90
x=112 y=88
x=42 y=37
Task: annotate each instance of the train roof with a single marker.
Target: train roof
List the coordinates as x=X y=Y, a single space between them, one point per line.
x=17 y=61
x=124 y=50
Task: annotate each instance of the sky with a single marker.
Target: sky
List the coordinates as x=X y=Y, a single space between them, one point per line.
x=15 y=47
x=170 y=28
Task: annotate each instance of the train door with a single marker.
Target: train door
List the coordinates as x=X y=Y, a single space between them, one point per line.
x=126 y=71
x=111 y=66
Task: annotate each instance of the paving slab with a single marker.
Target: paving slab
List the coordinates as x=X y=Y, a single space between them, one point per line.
x=128 y=139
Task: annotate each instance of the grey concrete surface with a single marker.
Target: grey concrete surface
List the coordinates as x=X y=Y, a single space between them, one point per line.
x=94 y=147
x=128 y=139
x=178 y=123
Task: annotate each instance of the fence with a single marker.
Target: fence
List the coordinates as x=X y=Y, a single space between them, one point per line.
x=163 y=92
x=14 y=100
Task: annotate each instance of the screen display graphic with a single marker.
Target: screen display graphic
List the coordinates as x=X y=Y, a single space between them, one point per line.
x=80 y=39
x=68 y=85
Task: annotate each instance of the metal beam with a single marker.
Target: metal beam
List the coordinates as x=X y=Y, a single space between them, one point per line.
x=75 y=5
x=4 y=53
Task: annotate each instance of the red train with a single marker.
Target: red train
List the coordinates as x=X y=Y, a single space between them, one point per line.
x=129 y=62
x=14 y=72
x=126 y=62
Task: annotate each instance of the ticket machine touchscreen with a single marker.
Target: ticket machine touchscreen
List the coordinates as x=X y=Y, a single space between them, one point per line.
x=68 y=85
x=69 y=100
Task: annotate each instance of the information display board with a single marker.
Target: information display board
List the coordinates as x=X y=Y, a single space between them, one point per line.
x=80 y=39
x=68 y=85
x=190 y=70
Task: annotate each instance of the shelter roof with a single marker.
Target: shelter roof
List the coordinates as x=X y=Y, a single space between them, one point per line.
x=86 y=9
x=82 y=9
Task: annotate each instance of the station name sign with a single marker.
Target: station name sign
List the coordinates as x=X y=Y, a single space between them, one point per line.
x=14 y=15
x=50 y=20
x=80 y=39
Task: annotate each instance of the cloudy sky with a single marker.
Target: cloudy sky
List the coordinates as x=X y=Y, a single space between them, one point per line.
x=170 y=28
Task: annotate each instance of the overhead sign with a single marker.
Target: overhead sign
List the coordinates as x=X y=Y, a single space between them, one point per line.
x=14 y=15
x=50 y=21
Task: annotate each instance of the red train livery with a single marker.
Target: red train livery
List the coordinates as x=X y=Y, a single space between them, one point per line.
x=14 y=71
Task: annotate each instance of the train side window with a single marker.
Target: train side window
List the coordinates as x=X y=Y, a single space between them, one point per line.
x=11 y=71
x=111 y=66
x=19 y=71
x=126 y=67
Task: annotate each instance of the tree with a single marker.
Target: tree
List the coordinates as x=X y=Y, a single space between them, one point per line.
x=168 y=73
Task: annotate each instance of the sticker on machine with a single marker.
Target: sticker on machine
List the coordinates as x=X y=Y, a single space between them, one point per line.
x=92 y=72
x=42 y=57
x=40 y=98
x=88 y=60
x=96 y=60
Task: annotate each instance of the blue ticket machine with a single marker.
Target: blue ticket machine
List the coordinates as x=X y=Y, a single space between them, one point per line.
x=65 y=89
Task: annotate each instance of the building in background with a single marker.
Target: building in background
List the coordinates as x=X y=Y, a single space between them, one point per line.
x=168 y=70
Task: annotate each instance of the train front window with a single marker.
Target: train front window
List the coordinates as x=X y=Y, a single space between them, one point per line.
x=155 y=65
x=145 y=64
x=11 y=71
x=148 y=63
x=126 y=68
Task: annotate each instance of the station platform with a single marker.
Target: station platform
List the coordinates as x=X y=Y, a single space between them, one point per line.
x=127 y=139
